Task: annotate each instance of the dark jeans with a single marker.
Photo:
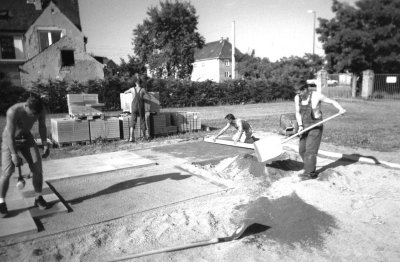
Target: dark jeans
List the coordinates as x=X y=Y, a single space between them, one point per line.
x=308 y=148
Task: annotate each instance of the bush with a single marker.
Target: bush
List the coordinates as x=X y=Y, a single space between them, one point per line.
x=10 y=95
x=173 y=92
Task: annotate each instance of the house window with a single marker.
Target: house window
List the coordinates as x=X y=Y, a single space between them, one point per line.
x=47 y=38
x=7 y=47
x=227 y=74
x=67 y=58
x=11 y=47
x=227 y=62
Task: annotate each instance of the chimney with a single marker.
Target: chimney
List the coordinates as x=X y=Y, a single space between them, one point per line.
x=37 y=3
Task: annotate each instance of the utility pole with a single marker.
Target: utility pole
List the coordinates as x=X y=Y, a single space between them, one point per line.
x=315 y=17
x=233 y=50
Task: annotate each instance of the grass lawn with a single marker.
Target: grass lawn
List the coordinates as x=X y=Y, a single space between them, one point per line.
x=372 y=125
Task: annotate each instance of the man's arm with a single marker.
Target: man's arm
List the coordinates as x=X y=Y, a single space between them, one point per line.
x=10 y=136
x=240 y=131
x=222 y=131
x=10 y=130
x=43 y=133
x=298 y=115
x=332 y=102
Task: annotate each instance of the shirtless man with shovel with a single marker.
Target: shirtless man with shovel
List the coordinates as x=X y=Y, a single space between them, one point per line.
x=17 y=142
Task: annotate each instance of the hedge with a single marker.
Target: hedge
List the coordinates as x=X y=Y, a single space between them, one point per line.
x=173 y=93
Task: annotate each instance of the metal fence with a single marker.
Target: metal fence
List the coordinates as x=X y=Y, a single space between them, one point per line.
x=339 y=86
x=386 y=86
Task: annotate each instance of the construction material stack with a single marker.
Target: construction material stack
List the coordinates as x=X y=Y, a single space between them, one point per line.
x=86 y=121
x=84 y=106
x=186 y=121
x=68 y=130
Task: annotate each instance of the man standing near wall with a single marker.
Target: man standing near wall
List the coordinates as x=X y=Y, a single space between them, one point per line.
x=138 y=106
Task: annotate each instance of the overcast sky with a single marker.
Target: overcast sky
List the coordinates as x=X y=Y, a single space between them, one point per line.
x=273 y=28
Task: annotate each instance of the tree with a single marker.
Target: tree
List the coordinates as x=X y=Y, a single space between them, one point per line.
x=364 y=36
x=166 y=41
x=289 y=71
x=252 y=67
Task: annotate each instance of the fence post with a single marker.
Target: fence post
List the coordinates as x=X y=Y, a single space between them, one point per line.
x=322 y=80
x=367 y=84
x=353 y=86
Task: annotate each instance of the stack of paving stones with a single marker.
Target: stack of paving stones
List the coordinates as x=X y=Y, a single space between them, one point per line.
x=85 y=123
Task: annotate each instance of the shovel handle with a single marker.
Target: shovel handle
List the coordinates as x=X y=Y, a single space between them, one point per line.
x=169 y=249
x=19 y=172
x=310 y=127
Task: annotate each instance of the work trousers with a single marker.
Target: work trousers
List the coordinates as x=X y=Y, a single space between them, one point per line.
x=308 y=148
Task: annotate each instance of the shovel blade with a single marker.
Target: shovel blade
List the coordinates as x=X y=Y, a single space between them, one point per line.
x=267 y=149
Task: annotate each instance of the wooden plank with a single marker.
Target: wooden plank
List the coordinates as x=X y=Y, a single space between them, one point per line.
x=228 y=143
x=19 y=221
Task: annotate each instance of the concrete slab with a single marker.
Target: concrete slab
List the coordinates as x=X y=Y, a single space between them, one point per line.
x=56 y=206
x=18 y=222
x=109 y=196
x=91 y=164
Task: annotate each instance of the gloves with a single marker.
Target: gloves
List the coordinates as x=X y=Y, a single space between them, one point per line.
x=46 y=151
x=17 y=161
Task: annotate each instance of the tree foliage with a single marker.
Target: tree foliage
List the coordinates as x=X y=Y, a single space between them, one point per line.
x=167 y=39
x=364 y=36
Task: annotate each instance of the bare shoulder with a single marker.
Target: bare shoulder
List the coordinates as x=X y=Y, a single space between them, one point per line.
x=15 y=110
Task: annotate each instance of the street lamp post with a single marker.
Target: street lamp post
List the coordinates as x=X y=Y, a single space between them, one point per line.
x=315 y=17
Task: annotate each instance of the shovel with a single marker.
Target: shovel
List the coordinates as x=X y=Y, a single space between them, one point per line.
x=236 y=235
x=268 y=149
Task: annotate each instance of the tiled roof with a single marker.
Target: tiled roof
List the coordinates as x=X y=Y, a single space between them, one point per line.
x=22 y=15
x=216 y=49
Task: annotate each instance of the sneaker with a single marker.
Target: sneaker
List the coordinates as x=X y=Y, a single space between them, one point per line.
x=41 y=203
x=3 y=210
x=313 y=175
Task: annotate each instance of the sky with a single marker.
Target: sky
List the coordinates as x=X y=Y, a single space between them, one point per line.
x=273 y=28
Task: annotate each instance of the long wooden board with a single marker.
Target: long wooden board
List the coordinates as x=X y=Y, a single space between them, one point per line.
x=228 y=143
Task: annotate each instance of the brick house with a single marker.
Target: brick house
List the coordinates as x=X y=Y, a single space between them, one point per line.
x=214 y=62
x=42 y=40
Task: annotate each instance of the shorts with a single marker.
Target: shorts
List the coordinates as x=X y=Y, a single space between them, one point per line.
x=27 y=150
